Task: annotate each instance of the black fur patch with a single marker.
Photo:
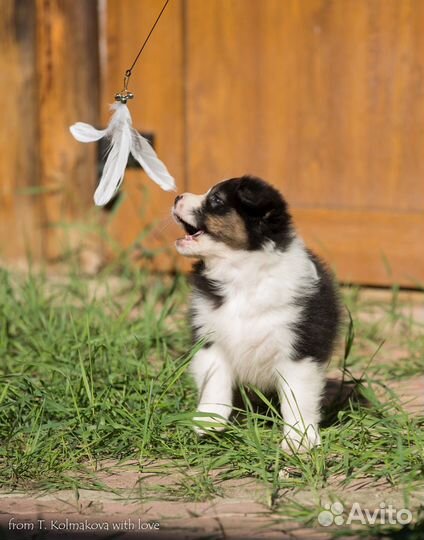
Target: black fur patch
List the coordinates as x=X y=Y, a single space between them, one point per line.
x=196 y=334
x=205 y=286
x=317 y=329
x=208 y=288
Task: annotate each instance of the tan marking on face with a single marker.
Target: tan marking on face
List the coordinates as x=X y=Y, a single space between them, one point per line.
x=228 y=228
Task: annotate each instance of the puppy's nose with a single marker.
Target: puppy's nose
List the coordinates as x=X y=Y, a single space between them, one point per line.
x=177 y=198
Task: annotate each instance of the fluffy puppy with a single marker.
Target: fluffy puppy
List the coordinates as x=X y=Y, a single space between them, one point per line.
x=265 y=305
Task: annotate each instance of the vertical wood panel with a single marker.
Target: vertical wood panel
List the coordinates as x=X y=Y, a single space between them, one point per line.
x=67 y=66
x=19 y=234
x=158 y=84
x=323 y=99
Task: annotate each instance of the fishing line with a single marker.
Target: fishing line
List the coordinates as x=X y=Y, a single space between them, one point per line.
x=124 y=95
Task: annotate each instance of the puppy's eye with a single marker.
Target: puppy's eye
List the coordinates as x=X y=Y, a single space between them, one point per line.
x=216 y=201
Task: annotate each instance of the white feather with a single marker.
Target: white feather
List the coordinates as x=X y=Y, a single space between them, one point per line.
x=152 y=165
x=124 y=139
x=85 y=133
x=119 y=130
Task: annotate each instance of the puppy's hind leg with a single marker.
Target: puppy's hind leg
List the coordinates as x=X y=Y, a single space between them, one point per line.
x=300 y=387
x=215 y=385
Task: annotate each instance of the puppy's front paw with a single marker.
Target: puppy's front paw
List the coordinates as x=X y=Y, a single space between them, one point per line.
x=210 y=421
x=296 y=441
x=208 y=424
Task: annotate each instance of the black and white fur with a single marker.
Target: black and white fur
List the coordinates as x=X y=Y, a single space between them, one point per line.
x=267 y=307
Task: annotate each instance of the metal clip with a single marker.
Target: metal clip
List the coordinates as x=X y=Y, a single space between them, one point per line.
x=124 y=95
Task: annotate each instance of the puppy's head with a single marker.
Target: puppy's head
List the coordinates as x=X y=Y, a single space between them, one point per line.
x=238 y=214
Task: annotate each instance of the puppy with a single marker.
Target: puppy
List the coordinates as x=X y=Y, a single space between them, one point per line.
x=265 y=305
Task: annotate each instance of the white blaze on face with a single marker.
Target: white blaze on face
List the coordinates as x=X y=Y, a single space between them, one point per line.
x=184 y=209
x=187 y=205
x=222 y=234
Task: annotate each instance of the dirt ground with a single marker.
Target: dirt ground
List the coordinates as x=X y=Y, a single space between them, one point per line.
x=125 y=511
x=240 y=513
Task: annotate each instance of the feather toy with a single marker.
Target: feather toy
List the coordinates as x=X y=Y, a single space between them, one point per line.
x=124 y=139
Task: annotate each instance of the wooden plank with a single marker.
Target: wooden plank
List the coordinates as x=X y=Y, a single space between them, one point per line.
x=374 y=248
x=324 y=100
x=315 y=96
x=158 y=107
x=67 y=67
x=19 y=233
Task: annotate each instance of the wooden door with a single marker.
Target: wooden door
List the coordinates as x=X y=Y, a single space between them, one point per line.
x=325 y=100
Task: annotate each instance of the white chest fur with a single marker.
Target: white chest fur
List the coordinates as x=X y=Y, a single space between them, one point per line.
x=255 y=325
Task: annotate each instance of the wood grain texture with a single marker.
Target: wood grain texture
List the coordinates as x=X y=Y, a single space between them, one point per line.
x=322 y=98
x=19 y=231
x=68 y=73
x=374 y=248
x=158 y=107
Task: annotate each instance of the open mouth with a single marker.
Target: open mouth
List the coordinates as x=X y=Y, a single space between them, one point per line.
x=192 y=232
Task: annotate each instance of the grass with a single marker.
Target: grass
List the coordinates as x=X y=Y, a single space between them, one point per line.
x=94 y=370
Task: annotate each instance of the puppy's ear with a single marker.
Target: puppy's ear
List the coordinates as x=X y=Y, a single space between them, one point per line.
x=253 y=195
x=247 y=195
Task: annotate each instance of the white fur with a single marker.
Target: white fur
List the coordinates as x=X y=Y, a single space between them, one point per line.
x=300 y=389
x=253 y=331
x=253 y=337
x=215 y=381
